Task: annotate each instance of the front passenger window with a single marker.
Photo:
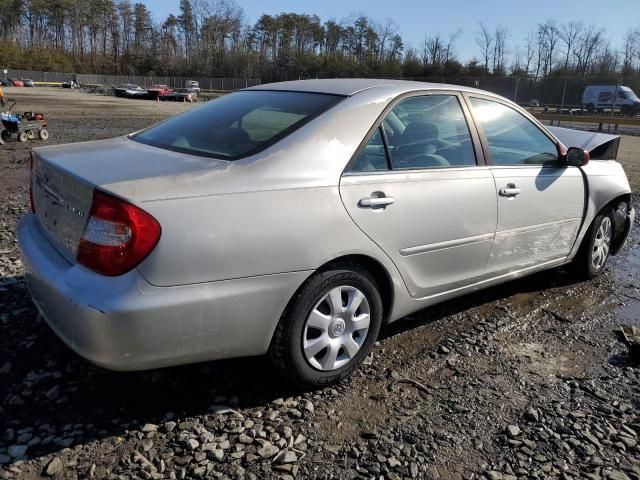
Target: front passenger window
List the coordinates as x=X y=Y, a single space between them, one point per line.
x=513 y=139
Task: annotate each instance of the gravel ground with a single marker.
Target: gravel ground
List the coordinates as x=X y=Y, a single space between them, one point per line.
x=526 y=380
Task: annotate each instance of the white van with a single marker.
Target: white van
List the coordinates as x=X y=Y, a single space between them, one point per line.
x=600 y=97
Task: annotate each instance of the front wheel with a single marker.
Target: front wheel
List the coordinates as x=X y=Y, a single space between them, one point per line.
x=23 y=137
x=329 y=327
x=592 y=257
x=44 y=134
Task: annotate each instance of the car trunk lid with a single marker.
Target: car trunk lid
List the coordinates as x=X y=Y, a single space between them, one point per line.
x=64 y=177
x=62 y=203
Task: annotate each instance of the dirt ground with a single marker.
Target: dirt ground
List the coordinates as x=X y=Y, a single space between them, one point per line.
x=525 y=380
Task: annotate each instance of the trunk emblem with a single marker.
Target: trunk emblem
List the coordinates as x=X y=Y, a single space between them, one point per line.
x=58 y=199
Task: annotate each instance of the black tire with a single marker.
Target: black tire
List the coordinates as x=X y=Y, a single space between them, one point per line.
x=590 y=107
x=583 y=263
x=5 y=135
x=286 y=350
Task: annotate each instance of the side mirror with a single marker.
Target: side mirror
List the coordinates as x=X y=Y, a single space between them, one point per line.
x=576 y=157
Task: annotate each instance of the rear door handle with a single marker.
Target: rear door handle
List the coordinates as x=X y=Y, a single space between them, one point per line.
x=379 y=201
x=510 y=190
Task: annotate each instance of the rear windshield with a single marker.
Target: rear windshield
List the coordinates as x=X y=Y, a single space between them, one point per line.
x=239 y=124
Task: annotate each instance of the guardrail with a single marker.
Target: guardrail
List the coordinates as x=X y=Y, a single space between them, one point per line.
x=599 y=119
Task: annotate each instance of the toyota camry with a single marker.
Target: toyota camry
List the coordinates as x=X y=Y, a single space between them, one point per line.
x=296 y=219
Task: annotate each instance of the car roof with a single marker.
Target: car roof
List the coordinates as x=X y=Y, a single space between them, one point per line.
x=351 y=86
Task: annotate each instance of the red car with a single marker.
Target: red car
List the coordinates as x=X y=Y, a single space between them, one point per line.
x=159 y=91
x=16 y=82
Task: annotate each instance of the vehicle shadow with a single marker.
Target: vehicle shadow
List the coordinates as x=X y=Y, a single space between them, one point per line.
x=44 y=383
x=557 y=277
x=45 y=386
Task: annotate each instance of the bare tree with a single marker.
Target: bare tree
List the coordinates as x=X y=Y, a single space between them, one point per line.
x=435 y=48
x=589 y=42
x=213 y=37
x=484 y=40
x=499 y=46
x=386 y=32
x=530 y=51
x=550 y=35
x=569 y=34
x=449 y=52
x=630 y=50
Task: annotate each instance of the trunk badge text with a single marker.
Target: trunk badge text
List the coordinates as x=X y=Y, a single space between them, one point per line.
x=57 y=198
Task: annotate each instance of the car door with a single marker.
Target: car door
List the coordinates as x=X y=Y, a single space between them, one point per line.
x=417 y=189
x=540 y=200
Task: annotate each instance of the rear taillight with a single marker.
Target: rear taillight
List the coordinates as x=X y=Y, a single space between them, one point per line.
x=118 y=236
x=31 y=180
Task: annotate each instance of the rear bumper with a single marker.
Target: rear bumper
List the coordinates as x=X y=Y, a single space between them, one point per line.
x=124 y=323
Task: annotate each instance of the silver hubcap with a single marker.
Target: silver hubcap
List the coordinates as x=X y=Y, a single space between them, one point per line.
x=336 y=328
x=601 y=244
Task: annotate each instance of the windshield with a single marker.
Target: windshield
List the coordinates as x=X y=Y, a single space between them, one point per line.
x=238 y=124
x=629 y=93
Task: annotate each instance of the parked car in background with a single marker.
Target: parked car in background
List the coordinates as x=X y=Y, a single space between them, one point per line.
x=28 y=82
x=130 y=90
x=184 y=95
x=607 y=97
x=16 y=82
x=192 y=85
x=158 y=91
x=294 y=219
x=70 y=84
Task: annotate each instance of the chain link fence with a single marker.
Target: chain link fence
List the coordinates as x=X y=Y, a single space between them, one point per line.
x=553 y=92
x=206 y=83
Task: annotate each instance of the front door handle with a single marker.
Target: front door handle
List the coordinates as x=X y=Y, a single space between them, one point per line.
x=376 y=200
x=510 y=190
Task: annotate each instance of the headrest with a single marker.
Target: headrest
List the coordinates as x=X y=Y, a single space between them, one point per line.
x=426 y=131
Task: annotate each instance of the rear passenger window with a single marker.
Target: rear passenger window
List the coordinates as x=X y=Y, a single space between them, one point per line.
x=373 y=157
x=428 y=132
x=513 y=139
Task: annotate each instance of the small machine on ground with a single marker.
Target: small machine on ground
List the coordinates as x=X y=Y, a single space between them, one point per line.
x=27 y=126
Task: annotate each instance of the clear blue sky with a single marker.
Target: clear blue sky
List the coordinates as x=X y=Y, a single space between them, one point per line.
x=417 y=17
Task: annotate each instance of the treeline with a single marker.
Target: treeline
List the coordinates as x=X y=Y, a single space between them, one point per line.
x=213 y=38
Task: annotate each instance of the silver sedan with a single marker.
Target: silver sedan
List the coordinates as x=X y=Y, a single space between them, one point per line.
x=295 y=219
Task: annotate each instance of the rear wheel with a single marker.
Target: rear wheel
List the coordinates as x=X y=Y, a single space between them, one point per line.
x=23 y=137
x=592 y=257
x=5 y=135
x=44 y=134
x=329 y=327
